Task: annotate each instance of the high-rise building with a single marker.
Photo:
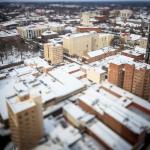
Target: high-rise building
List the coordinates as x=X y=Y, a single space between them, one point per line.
x=131 y=76
x=87 y=18
x=147 y=57
x=143 y=42
x=53 y=53
x=81 y=43
x=25 y=119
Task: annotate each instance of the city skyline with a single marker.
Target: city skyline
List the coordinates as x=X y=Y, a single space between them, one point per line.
x=75 y=1
x=74 y=74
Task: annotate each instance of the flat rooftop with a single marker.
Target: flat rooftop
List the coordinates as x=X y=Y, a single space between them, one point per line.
x=113 y=140
x=102 y=104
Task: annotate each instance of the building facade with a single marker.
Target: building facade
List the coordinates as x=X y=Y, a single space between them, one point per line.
x=81 y=43
x=26 y=120
x=125 y=13
x=53 y=53
x=86 y=18
x=133 y=78
x=35 y=30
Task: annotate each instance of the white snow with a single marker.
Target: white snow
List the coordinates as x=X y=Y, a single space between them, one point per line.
x=109 y=137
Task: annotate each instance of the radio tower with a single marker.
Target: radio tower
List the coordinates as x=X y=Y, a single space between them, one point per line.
x=147 y=57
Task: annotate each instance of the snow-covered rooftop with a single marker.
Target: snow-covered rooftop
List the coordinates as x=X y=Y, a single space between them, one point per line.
x=77 y=113
x=102 y=104
x=36 y=62
x=42 y=25
x=18 y=106
x=109 y=137
x=121 y=59
x=8 y=33
x=71 y=67
x=126 y=94
x=100 y=51
x=67 y=135
x=55 y=84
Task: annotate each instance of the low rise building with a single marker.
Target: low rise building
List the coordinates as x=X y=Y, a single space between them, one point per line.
x=88 y=29
x=133 y=54
x=46 y=35
x=95 y=128
x=126 y=99
x=87 y=18
x=100 y=54
x=125 y=13
x=108 y=137
x=38 y=63
x=35 y=30
x=118 y=118
x=143 y=42
x=53 y=86
x=76 y=115
x=96 y=75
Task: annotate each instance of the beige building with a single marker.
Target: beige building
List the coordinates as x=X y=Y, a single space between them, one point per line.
x=143 y=42
x=35 y=30
x=95 y=75
x=53 y=53
x=25 y=119
x=81 y=43
x=87 y=18
x=126 y=13
x=32 y=31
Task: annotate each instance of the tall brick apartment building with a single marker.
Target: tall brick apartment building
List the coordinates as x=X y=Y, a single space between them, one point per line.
x=131 y=76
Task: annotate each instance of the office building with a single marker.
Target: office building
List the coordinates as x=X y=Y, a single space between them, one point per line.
x=81 y=43
x=25 y=119
x=35 y=30
x=87 y=18
x=131 y=76
x=125 y=13
x=53 y=53
x=124 y=122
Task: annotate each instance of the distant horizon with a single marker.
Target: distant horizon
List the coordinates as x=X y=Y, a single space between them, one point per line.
x=74 y=1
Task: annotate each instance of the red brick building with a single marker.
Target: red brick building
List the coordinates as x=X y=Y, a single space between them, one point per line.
x=100 y=54
x=88 y=29
x=133 y=54
x=111 y=115
x=134 y=78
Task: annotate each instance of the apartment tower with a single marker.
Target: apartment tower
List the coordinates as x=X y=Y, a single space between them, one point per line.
x=25 y=119
x=133 y=78
x=53 y=53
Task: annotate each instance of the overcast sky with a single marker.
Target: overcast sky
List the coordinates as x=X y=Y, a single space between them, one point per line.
x=69 y=0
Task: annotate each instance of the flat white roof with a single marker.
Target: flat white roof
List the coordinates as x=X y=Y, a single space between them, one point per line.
x=121 y=59
x=132 y=52
x=78 y=74
x=100 y=51
x=77 y=113
x=123 y=93
x=18 y=106
x=76 y=35
x=67 y=135
x=24 y=70
x=56 y=84
x=37 y=61
x=113 y=140
x=100 y=103
x=71 y=67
